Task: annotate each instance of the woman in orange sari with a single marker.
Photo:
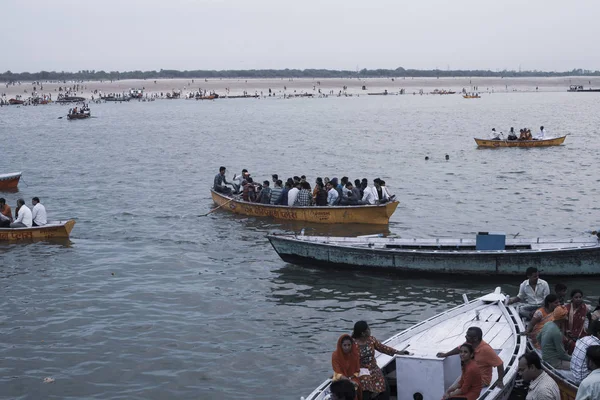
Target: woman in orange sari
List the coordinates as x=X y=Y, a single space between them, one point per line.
x=345 y=361
x=541 y=317
x=578 y=322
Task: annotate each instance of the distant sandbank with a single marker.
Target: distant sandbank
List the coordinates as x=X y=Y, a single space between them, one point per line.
x=281 y=86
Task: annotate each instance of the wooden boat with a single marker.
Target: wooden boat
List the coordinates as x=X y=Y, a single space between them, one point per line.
x=423 y=372
x=15 y=102
x=9 y=181
x=521 y=143
x=579 y=88
x=113 y=98
x=375 y=214
x=384 y=93
x=211 y=97
x=71 y=99
x=85 y=115
x=487 y=254
x=471 y=96
x=53 y=230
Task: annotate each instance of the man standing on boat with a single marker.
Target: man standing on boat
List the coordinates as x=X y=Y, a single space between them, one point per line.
x=532 y=292
x=541 y=385
x=485 y=357
x=220 y=182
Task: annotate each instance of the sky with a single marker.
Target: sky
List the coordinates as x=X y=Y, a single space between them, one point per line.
x=125 y=35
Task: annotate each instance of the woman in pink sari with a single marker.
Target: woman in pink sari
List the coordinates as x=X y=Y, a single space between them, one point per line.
x=578 y=321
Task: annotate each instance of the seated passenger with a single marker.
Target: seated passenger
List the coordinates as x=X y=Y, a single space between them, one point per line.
x=283 y=197
x=249 y=192
x=265 y=194
x=523 y=134
x=469 y=385
x=350 y=196
x=345 y=361
x=579 y=367
x=304 y=198
x=38 y=213
x=485 y=357
x=220 y=182
x=512 y=135
x=276 y=191
x=24 y=219
x=550 y=339
x=577 y=324
x=528 y=133
x=541 y=317
x=494 y=135
x=342 y=390
x=332 y=195
x=6 y=214
x=321 y=196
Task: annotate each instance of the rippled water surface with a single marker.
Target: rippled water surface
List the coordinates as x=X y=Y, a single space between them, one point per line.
x=149 y=301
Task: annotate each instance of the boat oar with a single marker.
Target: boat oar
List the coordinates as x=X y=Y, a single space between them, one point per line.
x=216 y=208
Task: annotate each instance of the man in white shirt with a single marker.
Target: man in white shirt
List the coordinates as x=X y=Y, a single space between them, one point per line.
x=24 y=219
x=589 y=389
x=370 y=196
x=38 y=213
x=579 y=366
x=293 y=194
x=532 y=292
x=332 y=194
x=542 y=133
x=494 y=135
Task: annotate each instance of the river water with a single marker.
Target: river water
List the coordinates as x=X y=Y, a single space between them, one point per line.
x=150 y=301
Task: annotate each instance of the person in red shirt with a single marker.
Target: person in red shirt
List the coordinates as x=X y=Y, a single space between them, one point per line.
x=485 y=357
x=469 y=385
x=5 y=210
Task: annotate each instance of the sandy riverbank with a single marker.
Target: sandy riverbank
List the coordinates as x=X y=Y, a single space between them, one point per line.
x=290 y=86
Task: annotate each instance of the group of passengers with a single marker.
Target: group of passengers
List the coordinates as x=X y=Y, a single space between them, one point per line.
x=568 y=336
x=24 y=217
x=524 y=134
x=298 y=192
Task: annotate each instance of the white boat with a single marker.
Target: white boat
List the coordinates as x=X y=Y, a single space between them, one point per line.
x=486 y=254
x=423 y=372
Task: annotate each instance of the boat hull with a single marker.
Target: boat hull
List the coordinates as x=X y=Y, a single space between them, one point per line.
x=501 y=328
x=9 y=181
x=58 y=230
x=78 y=116
x=520 y=143
x=305 y=250
x=377 y=214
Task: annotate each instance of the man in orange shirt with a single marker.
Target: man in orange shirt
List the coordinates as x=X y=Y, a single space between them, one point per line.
x=5 y=210
x=485 y=357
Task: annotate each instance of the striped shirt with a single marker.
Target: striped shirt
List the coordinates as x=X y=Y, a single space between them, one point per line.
x=304 y=198
x=578 y=359
x=543 y=388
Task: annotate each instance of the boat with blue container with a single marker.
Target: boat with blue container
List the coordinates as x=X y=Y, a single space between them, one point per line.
x=487 y=254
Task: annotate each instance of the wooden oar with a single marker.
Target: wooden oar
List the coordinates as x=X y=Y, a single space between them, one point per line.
x=216 y=208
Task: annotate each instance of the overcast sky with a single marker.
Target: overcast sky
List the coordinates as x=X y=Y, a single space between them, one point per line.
x=334 y=34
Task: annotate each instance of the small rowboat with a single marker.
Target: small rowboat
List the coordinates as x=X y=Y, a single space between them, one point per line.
x=79 y=115
x=487 y=254
x=520 y=143
x=9 y=181
x=15 y=102
x=422 y=372
x=470 y=96
x=52 y=230
x=369 y=214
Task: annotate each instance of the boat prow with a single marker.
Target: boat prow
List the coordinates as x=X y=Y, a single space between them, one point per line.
x=520 y=143
x=423 y=372
x=9 y=181
x=52 y=230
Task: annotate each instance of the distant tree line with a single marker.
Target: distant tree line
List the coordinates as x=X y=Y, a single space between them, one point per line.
x=87 y=75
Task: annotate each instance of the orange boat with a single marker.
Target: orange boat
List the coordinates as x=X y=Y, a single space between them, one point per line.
x=53 y=230
x=9 y=181
x=367 y=214
x=520 y=143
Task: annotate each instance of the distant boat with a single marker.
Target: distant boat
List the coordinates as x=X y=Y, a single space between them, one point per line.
x=487 y=254
x=70 y=99
x=579 y=88
x=79 y=115
x=471 y=96
x=52 y=230
x=9 y=181
x=15 y=102
x=384 y=93
x=113 y=98
x=520 y=143
x=424 y=373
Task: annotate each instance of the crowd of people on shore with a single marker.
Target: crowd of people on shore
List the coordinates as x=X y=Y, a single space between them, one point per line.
x=524 y=134
x=566 y=333
x=298 y=192
x=24 y=217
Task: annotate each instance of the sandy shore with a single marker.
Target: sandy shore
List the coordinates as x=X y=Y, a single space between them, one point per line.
x=280 y=87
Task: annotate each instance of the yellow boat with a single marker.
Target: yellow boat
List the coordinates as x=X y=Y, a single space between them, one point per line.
x=470 y=96
x=376 y=214
x=53 y=230
x=520 y=143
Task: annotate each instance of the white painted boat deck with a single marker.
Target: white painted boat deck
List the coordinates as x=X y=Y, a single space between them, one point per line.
x=501 y=326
